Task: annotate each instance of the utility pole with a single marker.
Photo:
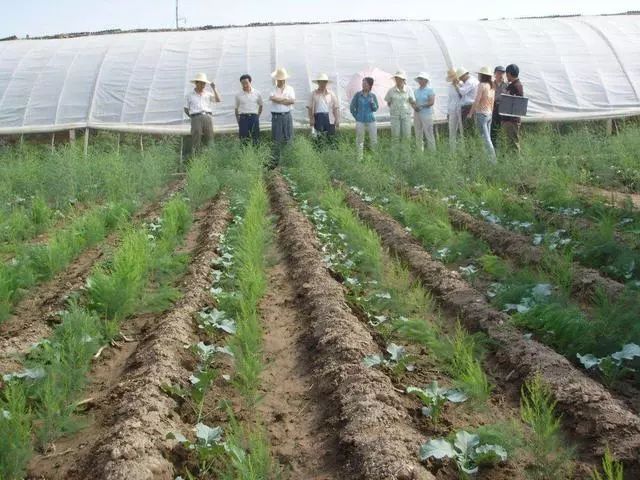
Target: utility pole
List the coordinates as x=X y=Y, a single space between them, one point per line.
x=178 y=17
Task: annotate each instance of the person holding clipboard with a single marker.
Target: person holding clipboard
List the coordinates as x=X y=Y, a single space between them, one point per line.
x=511 y=123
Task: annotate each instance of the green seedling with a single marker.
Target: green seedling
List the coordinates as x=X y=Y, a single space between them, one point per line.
x=467 y=451
x=434 y=398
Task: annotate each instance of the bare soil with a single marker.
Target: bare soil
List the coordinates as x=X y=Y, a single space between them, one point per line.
x=588 y=409
x=376 y=435
x=615 y=198
x=129 y=415
x=35 y=315
x=291 y=408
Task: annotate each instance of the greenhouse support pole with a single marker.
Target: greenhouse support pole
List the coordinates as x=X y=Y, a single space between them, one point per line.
x=118 y=144
x=53 y=141
x=609 y=126
x=72 y=136
x=181 y=148
x=141 y=144
x=86 y=141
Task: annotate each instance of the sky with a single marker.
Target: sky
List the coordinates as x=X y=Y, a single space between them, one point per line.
x=44 y=17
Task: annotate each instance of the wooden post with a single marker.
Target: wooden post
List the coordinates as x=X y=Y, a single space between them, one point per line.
x=141 y=144
x=86 y=141
x=118 y=144
x=53 y=141
x=72 y=136
x=609 y=124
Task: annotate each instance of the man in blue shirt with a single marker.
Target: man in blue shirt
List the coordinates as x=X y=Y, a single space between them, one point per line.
x=363 y=105
x=423 y=116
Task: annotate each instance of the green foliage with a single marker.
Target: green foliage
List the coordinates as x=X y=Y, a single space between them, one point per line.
x=66 y=359
x=494 y=266
x=202 y=181
x=466 y=368
x=251 y=240
x=113 y=291
x=15 y=431
x=551 y=457
x=612 y=470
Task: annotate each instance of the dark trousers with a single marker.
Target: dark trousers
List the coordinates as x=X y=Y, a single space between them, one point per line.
x=282 y=133
x=495 y=127
x=322 y=124
x=249 y=126
x=468 y=124
x=326 y=131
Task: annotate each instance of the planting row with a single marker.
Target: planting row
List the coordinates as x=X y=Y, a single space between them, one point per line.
x=387 y=303
x=538 y=296
x=41 y=400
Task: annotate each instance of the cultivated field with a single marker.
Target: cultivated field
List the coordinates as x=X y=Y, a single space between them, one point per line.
x=409 y=316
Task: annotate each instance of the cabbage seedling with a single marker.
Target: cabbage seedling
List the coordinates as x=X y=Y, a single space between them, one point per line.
x=466 y=450
x=434 y=397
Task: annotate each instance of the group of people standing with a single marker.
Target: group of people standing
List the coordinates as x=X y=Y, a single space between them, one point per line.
x=477 y=100
x=470 y=100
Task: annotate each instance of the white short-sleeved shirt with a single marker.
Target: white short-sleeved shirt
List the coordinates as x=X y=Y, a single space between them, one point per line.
x=468 y=90
x=248 y=102
x=199 y=102
x=324 y=103
x=286 y=92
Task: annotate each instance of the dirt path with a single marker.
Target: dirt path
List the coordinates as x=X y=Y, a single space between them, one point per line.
x=585 y=282
x=376 y=435
x=588 y=408
x=129 y=414
x=291 y=408
x=35 y=315
x=617 y=199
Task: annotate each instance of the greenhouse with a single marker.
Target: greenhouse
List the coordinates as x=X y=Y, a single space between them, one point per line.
x=321 y=304
x=573 y=68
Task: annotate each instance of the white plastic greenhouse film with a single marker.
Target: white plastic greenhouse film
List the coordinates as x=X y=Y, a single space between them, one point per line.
x=576 y=68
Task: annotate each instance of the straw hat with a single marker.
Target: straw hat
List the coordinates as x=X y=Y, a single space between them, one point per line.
x=423 y=75
x=461 y=71
x=280 y=74
x=200 y=77
x=400 y=74
x=323 y=77
x=451 y=75
x=485 y=71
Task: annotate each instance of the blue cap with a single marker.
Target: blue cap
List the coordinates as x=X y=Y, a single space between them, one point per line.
x=499 y=68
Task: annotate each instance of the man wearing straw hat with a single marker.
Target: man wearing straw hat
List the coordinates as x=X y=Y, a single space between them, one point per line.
x=423 y=117
x=199 y=108
x=282 y=100
x=453 y=108
x=468 y=89
x=401 y=102
x=324 y=109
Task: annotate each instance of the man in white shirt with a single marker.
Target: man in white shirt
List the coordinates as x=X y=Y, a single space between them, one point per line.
x=324 y=109
x=248 y=110
x=282 y=100
x=468 y=89
x=199 y=108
